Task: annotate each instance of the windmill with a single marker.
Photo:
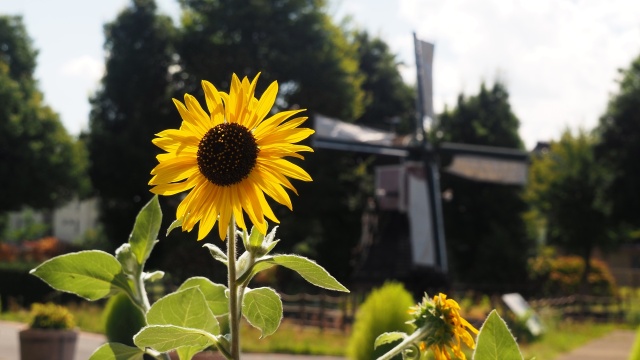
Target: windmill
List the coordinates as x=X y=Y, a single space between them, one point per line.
x=412 y=242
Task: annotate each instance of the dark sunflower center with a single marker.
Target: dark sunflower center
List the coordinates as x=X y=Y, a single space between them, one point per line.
x=227 y=154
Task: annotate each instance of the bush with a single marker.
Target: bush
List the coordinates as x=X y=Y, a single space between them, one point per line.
x=560 y=276
x=8 y=252
x=42 y=249
x=50 y=316
x=384 y=310
x=122 y=319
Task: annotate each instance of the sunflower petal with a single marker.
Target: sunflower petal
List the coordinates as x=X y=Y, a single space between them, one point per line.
x=268 y=125
x=265 y=104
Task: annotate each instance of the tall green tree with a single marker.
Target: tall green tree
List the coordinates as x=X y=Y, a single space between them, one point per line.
x=316 y=65
x=132 y=104
x=390 y=101
x=292 y=41
x=41 y=165
x=485 y=232
x=618 y=148
x=566 y=190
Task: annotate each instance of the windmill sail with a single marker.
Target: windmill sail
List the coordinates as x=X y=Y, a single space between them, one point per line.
x=424 y=68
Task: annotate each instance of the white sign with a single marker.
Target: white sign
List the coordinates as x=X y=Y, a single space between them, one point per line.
x=521 y=308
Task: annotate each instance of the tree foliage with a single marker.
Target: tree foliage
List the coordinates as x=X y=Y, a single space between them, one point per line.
x=483 y=119
x=132 y=104
x=292 y=41
x=618 y=146
x=483 y=223
x=41 y=165
x=318 y=66
x=390 y=101
x=566 y=189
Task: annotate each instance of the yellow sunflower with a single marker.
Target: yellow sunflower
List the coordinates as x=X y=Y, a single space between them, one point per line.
x=230 y=157
x=447 y=328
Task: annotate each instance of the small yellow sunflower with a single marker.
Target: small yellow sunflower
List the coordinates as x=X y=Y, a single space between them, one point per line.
x=447 y=328
x=230 y=158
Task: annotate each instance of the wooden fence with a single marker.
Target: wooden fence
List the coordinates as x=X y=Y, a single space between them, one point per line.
x=598 y=308
x=323 y=311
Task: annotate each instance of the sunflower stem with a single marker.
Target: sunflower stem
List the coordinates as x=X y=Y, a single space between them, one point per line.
x=404 y=344
x=234 y=321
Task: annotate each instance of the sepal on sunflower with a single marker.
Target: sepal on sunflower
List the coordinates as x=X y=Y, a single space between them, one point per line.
x=258 y=244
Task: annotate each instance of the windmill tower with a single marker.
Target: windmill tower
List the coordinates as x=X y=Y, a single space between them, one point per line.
x=403 y=234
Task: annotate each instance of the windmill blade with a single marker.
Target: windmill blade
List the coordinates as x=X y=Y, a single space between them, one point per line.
x=487 y=163
x=339 y=135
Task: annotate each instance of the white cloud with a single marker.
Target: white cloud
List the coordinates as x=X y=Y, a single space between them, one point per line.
x=560 y=57
x=85 y=67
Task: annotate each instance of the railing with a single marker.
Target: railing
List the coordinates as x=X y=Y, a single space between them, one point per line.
x=323 y=311
x=598 y=308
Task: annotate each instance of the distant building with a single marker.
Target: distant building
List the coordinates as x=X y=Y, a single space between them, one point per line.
x=69 y=222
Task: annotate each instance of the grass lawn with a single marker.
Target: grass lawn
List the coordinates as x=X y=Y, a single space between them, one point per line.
x=294 y=339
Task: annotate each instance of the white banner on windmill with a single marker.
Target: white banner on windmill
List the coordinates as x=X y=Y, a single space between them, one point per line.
x=404 y=188
x=424 y=67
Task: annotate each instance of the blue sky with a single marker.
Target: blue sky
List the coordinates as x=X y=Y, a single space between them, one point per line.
x=559 y=58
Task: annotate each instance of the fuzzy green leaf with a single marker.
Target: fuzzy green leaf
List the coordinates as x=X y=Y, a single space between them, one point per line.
x=145 y=231
x=255 y=238
x=263 y=309
x=90 y=274
x=117 y=351
x=164 y=338
x=217 y=253
x=176 y=223
x=213 y=293
x=187 y=352
x=186 y=308
x=309 y=270
x=495 y=341
x=389 y=337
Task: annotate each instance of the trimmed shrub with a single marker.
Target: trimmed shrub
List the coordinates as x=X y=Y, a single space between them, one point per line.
x=50 y=316
x=384 y=310
x=122 y=319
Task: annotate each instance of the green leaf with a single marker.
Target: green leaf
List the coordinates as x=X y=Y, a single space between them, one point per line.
x=217 y=253
x=90 y=274
x=145 y=231
x=309 y=270
x=495 y=341
x=186 y=308
x=256 y=238
x=164 y=338
x=187 y=352
x=262 y=307
x=176 y=223
x=389 y=337
x=152 y=276
x=213 y=293
x=117 y=351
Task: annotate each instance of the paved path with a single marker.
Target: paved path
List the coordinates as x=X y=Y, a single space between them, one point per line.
x=615 y=346
x=87 y=343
